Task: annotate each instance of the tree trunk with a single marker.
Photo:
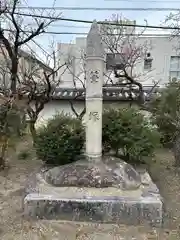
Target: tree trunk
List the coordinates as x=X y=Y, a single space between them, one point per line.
x=13 y=84
x=3 y=153
x=2 y=163
x=176 y=150
x=32 y=130
x=14 y=70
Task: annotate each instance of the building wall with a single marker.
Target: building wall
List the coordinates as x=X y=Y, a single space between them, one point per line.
x=161 y=49
x=26 y=67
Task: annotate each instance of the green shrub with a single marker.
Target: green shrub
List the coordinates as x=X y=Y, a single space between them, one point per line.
x=127 y=131
x=60 y=141
x=166 y=109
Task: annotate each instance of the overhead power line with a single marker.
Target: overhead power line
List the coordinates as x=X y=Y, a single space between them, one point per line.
x=99 y=9
x=86 y=33
x=75 y=26
x=99 y=22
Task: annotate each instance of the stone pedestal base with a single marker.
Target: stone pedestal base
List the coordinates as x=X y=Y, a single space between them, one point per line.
x=140 y=206
x=125 y=210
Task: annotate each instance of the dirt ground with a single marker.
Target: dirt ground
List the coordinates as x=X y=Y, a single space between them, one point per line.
x=14 y=227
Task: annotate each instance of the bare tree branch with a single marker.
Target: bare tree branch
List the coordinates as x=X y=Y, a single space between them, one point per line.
x=77 y=79
x=122 y=43
x=18 y=38
x=38 y=31
x=38 y=85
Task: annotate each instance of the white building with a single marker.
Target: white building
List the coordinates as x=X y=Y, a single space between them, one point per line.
x=161 y=50
x=160 y=62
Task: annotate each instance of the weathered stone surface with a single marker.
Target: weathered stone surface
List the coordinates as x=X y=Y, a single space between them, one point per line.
x=111 y=172
x=31 y=184
x=142 y=205
x=109 y=193
x=150 y=190
x=145 y=179
x=94 y=43
x=121 y=210
x=94 y=82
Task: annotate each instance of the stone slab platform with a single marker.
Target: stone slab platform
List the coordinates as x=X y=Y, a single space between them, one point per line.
x=147 y=210
x=103 y=205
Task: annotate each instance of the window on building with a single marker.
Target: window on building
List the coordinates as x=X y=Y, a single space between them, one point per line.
x=148 y=62
x=175 y=67
x=114 y=60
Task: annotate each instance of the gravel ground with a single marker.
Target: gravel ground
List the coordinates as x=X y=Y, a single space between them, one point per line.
x=14 y=227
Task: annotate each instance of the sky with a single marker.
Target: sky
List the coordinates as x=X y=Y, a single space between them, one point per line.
x=152 y=17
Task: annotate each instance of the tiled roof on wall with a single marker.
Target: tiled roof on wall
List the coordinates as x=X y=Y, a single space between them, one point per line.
x=121 y=94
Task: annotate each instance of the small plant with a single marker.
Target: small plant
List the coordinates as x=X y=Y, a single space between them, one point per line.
x=127 y=131
x=60 y=141
x=165 y=110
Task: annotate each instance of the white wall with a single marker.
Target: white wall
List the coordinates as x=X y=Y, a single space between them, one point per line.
x=161 y=49
x=63 y=106
x=53 y=107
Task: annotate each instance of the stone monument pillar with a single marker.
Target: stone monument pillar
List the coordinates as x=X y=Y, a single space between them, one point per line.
x=94 y=83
